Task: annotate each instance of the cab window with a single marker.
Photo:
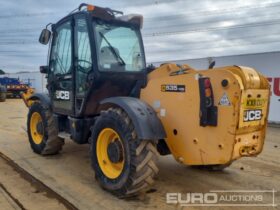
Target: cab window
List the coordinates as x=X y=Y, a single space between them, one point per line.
x=61 y=55
x=119 y=48
x=84 y=56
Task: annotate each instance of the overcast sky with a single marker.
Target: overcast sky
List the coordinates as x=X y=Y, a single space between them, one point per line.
x=173 y=29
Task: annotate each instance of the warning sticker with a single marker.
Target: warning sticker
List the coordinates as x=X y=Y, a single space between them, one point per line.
x=224 y=101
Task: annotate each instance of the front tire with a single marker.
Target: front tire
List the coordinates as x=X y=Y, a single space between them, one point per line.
x=42 y=131
x=124 y=165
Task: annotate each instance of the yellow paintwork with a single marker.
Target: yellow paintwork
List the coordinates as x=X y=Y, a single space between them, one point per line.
x=36 y=136
x=179 y=112
x=110 y=169
x=25 y=96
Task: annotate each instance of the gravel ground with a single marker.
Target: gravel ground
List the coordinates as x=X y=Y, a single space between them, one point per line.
x=70 y=175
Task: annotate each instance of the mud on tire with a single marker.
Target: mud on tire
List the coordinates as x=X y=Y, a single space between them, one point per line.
x=51 y=143
x=140 y=156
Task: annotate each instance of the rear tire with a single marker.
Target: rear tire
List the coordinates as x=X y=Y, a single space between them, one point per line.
x=2 y=97
x=216 y=167
x=44 y=138
x=139 y=156
x=3 y=94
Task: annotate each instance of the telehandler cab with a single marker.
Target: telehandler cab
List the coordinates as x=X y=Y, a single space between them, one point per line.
x=101 y=92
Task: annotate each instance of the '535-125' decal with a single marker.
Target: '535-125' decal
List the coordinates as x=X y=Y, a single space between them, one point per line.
x=173 y=88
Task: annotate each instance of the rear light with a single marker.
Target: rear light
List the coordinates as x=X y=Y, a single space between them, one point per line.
x=207 y=83
x=208 y=112
x=208 y=92
x=207 y=86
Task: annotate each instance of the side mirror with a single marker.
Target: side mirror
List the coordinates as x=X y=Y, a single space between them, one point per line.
x=44 y=69
x=45 y=36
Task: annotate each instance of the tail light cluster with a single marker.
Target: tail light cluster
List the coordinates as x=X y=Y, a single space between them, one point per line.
x=208 y=112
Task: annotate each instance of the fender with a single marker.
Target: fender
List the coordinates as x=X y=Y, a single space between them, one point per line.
x=144 y=118
x=42 y=97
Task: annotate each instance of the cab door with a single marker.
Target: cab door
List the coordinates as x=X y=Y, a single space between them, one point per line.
x=83 y=61
x=60 y=78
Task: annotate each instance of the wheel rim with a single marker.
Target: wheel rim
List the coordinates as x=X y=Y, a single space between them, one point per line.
x=109 y=168
x=37 y=136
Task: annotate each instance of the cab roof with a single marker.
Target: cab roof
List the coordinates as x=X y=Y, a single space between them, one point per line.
x=106 y=14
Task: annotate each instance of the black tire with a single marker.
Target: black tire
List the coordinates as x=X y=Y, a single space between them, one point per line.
x=140 y=156
x=51 y=143
x=216 y=167
x=2 y=97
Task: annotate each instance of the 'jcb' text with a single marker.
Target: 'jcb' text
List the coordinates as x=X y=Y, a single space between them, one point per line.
x=252 y=115
x=63 y=95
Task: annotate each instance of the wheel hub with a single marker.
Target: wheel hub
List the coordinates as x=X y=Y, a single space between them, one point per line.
x=39 y=128
x=115 y=152
x=110 y=153
x=36 y=128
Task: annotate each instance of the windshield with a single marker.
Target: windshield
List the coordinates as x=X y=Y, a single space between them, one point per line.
x=119 y=48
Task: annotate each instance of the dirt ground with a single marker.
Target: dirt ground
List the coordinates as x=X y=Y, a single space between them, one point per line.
x=70 y=175
x=17 y=193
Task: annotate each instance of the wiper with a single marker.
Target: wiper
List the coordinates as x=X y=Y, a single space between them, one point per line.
x=117 y=56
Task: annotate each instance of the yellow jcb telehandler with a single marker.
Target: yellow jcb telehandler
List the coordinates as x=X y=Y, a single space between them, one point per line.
x=101 y=92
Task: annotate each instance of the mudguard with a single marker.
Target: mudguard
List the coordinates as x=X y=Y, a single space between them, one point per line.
x=42 y=97
x=144 y=118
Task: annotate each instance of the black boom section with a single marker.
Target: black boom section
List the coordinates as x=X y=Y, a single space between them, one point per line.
x=146 y=123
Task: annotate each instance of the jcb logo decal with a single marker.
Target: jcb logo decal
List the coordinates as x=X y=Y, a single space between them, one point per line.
x=252 y=115
x=63 y=95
